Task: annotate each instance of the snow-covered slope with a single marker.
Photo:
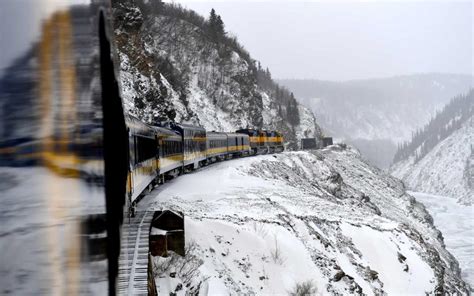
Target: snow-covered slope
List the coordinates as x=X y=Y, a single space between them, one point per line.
x=447 y=170
x=325 y=221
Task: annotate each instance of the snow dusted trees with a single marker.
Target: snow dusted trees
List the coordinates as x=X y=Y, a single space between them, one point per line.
x=451 y=118
x=216 y=26
x=175 y=57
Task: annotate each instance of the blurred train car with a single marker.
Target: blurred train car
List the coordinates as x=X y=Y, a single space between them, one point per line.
x=143 y=158
x=63 y=148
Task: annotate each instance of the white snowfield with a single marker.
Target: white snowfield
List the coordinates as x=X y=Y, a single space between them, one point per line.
x=322 y=220
x=444 y=170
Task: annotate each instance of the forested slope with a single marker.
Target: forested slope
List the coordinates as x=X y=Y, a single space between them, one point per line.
x=177 y=65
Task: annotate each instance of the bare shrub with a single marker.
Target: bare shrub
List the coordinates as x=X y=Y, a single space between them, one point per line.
x=186 y=268
x=304 y=289
x=260 y=229
x=276 y=254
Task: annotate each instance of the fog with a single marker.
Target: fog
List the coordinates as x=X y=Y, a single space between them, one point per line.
x=351 y=40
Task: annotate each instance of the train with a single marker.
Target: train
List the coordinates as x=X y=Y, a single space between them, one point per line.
x=160 y=153
x=69 y=147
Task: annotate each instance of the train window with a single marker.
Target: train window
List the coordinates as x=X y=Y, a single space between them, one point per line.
x=146 y=148
x=131 y=144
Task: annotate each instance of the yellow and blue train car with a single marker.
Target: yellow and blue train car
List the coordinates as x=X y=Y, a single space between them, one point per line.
x=143 y=157
x=170 y=151
x=216 y=146
x=194 y=144
x=238 y=144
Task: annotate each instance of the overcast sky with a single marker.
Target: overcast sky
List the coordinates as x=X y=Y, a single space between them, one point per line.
x=351 y=40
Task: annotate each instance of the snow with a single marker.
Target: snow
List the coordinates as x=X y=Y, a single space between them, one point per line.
x=380 y=250
x=442 y=170
x=457 y=225
x=261 y=225
x=157 y=231
x=246 y=254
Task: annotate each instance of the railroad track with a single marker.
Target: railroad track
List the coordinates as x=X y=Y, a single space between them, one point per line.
x=133 y=260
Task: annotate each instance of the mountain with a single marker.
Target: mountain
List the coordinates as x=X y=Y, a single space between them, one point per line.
x=377 y=114
x=440 y=158
x=177 y=65
x=322 y=222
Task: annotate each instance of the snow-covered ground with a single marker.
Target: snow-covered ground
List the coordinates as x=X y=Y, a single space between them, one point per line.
x=326 y=219
x=456 y=222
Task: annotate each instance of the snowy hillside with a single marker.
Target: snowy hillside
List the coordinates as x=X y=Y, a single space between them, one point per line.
x=377 y=114
x=175 y=66
x=447 y=170
x=322 y=222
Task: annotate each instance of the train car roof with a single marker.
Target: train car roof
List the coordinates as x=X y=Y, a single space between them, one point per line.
x=237 y=134
x=165 y=131
x=216 y=133
x=138 y=127
x=247 y=129
x=183 y=126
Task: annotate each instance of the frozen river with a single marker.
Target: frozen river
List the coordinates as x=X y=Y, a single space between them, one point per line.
x=456 y=222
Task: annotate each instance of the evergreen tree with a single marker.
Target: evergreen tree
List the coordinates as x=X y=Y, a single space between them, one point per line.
x=216 y=26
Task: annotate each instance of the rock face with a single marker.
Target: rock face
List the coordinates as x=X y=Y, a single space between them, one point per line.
x=172 y=68
x=323 y=221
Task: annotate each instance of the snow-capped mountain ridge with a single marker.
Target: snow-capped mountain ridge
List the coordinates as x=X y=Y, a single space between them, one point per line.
x=377 y=114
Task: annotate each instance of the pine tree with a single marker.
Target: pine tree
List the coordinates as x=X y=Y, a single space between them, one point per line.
x=220 y=27
x=216 y=26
